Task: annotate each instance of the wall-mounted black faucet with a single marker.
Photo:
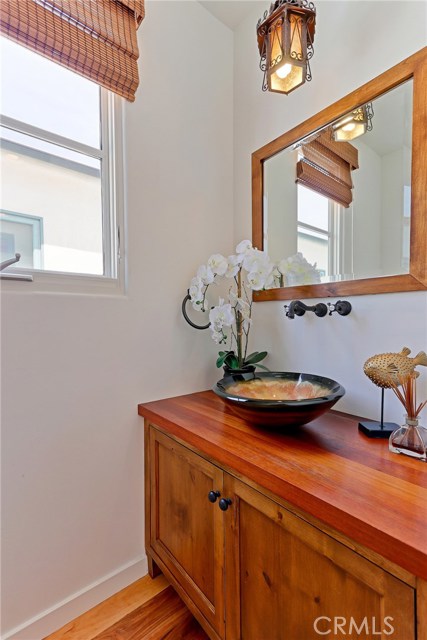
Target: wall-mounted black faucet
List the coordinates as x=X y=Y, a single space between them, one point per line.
x=298 y=308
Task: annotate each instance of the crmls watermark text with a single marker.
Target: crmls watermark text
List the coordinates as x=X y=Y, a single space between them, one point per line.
x=341 y=626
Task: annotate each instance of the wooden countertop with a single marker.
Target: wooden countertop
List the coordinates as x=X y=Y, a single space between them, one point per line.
x=326 y=468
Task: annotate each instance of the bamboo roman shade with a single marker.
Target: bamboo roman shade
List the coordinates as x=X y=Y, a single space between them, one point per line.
x=95 y=38
x=326 y=167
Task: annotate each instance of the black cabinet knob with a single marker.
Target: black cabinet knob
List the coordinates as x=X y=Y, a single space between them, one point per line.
x=224 y=503
x=213 y=496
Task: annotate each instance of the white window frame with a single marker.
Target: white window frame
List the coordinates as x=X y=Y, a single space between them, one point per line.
x=111 y=155
x=342 y=225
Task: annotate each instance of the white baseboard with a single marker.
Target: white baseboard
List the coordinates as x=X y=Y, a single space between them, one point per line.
x=55 y=617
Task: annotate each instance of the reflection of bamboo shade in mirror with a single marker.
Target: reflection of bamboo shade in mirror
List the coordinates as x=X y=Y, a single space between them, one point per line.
x=326 y=168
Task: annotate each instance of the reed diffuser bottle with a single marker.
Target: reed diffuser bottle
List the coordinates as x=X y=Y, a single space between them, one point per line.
x=411 y=438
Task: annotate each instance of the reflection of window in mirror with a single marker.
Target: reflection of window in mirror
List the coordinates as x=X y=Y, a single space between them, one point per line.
x=324 y=233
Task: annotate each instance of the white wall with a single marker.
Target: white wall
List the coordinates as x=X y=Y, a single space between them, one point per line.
x=394 y=179
x=366 y=213
x=355 y=41
x=75 y=367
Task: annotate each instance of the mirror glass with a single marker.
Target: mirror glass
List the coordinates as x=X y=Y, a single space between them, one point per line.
x=362 y=230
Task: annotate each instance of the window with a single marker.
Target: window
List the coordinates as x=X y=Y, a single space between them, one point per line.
x=60 y=174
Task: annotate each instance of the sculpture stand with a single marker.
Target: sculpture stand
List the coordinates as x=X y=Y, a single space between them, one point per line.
x=378 y=429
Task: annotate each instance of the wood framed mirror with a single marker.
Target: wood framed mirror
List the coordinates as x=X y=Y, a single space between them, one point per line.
x=401 y=88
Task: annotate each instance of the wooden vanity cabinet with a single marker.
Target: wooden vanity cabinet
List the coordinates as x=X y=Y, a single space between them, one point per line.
x=283 y=575
x=185 y=530
x=257 y=570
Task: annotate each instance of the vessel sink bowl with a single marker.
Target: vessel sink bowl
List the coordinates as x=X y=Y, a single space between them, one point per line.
x=273 y=412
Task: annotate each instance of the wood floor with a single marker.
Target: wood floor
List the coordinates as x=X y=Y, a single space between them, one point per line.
x=146 y=610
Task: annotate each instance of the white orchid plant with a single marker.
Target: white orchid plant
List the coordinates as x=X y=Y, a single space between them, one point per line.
x=250 y=270
x=230 y=321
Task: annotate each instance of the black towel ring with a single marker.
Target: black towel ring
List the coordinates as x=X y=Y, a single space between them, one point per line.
x=184 y=313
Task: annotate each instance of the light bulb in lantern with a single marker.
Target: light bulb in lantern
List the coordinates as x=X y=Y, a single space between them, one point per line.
x=349 y=127
x=284 y=71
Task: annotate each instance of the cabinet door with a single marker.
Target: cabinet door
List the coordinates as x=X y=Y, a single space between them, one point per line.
x=287 y=580
x=186 y=529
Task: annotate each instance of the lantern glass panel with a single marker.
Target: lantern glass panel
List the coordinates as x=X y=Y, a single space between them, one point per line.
x=292 y=80
x=297 y=28
x=349 y=131
x=275 y=41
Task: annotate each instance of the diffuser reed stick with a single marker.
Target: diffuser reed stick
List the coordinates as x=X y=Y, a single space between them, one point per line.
x=408 y=395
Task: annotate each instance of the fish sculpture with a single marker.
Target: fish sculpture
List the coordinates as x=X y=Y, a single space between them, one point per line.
x=387 y=369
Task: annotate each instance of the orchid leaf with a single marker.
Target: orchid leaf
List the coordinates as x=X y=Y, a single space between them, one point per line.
x=255 y=357
x=223 y=358
x=231 y=360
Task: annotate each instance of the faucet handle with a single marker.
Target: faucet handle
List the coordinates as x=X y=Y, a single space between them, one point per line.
x=289 y=312
x=295 y=308
x=342 y=307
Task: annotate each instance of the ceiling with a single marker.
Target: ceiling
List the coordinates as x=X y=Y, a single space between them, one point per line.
x=233 y=12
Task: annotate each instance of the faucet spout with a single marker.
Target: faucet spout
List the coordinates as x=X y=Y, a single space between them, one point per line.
x=298 y=308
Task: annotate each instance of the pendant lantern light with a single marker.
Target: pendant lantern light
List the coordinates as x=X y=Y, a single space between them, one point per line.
x=285 y=41
x=354 y=124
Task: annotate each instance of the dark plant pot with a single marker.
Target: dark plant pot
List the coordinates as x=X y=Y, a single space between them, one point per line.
x=228 y=371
